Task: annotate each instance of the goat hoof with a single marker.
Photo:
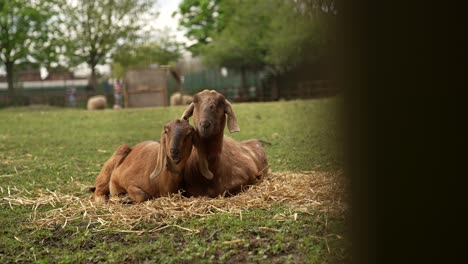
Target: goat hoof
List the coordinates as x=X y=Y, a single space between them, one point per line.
x=126 y=200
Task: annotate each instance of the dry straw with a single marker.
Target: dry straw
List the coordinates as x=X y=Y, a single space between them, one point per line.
x=306 y=192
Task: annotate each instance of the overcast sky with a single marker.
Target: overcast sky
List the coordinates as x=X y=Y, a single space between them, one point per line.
x=165 y=19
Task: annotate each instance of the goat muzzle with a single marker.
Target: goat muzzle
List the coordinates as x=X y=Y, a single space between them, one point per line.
x=205 y=125
x=175 y=155
x=205 y=128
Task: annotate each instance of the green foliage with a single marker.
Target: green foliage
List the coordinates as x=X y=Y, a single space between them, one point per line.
x=169 y=50
x=254 y=34
x=300 y=32
x=202 y=19
x=240 y=43
x=118 y=70
x=26 y=33
x=23 y=28
x=55 y=149
x=163 y=51
x=93 y=29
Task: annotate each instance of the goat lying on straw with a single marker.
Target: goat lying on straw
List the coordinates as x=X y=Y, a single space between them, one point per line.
x=149 y=169
x=219 y=164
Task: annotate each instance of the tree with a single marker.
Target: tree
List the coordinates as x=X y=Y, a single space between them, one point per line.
x=241 y=43
x=202 y=19
x=163 y=50
x=273 y=32
x=301 y=31
x=94 y=29
x=254 y=35
x=169 y=50
x=24 y=32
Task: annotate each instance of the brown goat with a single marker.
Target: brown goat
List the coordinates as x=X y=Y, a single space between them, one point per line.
x=218 y=164
x=149 y=169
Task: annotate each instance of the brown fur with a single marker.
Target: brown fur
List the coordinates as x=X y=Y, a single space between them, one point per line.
x=101 y=189
x=150 y=169
x=219 y=164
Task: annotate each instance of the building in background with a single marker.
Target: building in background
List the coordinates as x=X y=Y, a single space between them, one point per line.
x=30 y=88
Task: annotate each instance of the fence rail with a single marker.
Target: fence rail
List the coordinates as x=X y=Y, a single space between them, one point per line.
x=50 y=84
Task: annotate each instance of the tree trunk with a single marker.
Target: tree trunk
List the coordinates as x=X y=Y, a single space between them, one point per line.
x=93 y=81
x=10 y=79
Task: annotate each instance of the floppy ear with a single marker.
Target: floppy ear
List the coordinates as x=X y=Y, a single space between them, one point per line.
x=161 y=159
x=231 y=118
x=203 y=167
x=202 y=161
x=188 y=112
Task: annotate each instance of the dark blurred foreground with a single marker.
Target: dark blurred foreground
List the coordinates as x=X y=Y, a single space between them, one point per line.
x=404 y=151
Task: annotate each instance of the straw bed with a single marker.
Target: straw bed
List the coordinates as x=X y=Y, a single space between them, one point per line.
x=304 y=192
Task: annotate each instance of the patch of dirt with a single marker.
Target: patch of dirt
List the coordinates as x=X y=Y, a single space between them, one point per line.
x=240 y=257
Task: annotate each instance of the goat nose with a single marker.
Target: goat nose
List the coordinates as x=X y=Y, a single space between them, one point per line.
x=205 y=124
x=174 y=151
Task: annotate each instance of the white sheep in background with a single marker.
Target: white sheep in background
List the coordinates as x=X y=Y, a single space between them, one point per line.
x=179 y=99
x=97 y=102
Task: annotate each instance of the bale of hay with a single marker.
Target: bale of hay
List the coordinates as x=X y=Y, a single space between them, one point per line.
x=97 y=102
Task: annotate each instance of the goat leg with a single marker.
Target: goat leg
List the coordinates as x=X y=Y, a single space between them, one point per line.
x=137 y=194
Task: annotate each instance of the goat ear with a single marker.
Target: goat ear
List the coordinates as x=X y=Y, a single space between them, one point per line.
x=161 y=159
x=231 y=118
x=202 y=161
x=188 y=112
x=205 y=171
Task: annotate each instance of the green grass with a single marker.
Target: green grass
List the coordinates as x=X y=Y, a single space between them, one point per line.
x=53 y=148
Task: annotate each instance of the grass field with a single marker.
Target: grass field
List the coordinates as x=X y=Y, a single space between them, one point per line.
x=57 y=150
